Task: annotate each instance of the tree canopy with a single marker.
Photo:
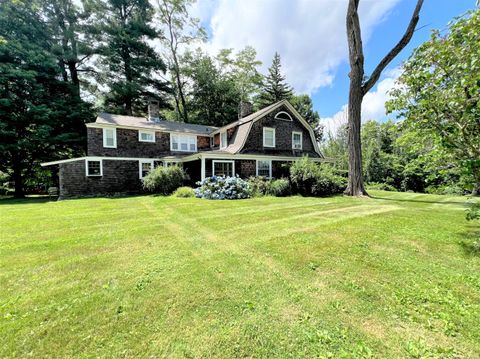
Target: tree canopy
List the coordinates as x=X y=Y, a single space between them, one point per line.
x=438 y=93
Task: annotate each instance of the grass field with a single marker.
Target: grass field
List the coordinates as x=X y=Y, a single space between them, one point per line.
x=390 y=276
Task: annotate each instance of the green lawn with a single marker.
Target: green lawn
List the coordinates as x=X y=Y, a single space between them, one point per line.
x=390 y=276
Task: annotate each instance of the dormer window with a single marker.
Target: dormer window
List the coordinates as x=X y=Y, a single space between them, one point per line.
x=297 y=142
x=146 y=136
x=110 y=137
x=223 y=139
x=268 y=137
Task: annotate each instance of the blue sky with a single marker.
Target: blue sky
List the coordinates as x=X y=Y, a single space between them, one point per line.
x=310 y=37
x=435 y=15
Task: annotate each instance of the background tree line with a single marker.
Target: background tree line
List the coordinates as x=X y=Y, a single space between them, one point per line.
x=62 y=61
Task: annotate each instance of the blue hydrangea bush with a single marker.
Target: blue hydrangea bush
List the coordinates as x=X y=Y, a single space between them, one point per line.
x=219 y=187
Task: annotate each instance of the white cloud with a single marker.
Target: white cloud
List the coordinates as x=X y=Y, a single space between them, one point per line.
x=308 y=34
x=373 y=105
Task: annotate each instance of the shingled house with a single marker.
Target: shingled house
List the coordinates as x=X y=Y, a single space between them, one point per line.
x=123 y=149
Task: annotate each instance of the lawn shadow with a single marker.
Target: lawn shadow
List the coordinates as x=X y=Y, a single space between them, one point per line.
x=419 y=201
x=27 y=200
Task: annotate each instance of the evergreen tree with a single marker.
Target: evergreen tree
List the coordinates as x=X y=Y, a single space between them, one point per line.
x=132 y=68
x=68 y=23
x=304 y=105
x=274 y=87
x=40 y=118
x=213 y=99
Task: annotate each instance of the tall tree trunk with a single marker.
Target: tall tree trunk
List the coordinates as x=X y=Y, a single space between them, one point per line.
x=17 y=176
x=476 y=178
x=359 y=87
x=355 y=167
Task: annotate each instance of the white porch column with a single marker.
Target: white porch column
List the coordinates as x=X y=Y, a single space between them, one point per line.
x=202 y=171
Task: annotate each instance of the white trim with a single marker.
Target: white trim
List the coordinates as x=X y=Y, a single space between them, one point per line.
x=270 y=170
x=283 y=119
x=93 y=160
x=226 y=139
x=148 y=132
x=140 y=162
x=188 y=143
x=274 y=136
x=301 y=140
x=223 y=161
x=105 y=137
x=202 y=169
x=148 y=128
x=233 y=156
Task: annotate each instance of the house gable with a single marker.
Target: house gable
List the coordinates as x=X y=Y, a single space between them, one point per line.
x=285 y=121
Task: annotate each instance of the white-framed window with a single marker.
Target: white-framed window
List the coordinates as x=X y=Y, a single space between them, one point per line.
x=146 y=136
x=264 y=168
x=93 y=168
x=282 y=115
x=268 y=137
x=110 y=137
x=223 y=139
x=297 y=140
x=223 y=168
x=183 y=143
x=144 y=168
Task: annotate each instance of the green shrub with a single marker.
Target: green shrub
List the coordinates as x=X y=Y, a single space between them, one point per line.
x=310 y=179
x=258 y=186
x=381 y=186
x=279 y=188
x=184 y=192
x=446 y=190
x=303 y=175
x=164 y=180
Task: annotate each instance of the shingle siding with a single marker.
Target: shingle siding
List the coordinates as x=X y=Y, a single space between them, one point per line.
x=128 y=144
x=283 y=137
x=119 y=177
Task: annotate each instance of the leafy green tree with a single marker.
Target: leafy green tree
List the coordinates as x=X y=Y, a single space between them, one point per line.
x=131 y=69
x=304 y=105
x=40 y=117
x=213 y=99
x=274 y=87
x=242 y=70
x=179 y=29
x=439 y=92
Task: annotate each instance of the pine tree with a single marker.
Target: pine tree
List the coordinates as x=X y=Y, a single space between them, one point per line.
x=40 y=117
x=132 y=69
x=274 y=87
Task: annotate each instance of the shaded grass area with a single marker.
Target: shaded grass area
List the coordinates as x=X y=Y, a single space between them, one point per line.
x=269 y=277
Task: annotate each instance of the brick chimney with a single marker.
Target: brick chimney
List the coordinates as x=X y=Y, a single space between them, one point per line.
x=153 y=110
x=245 y=108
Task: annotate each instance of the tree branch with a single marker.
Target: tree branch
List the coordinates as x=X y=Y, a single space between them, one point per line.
x=394 y=51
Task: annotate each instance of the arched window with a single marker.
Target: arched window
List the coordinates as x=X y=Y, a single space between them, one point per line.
x=282 y=115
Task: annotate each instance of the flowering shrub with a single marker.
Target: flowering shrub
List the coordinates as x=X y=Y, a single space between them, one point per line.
x=217 y=187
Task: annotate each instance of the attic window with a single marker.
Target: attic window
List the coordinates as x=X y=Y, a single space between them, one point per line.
x=282 y=115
